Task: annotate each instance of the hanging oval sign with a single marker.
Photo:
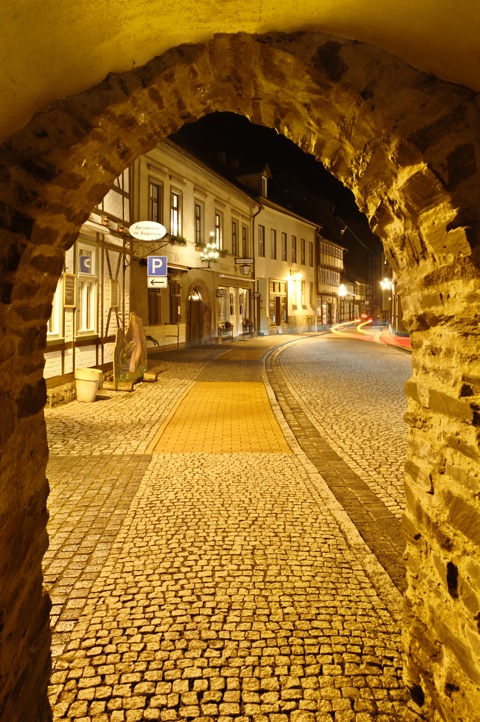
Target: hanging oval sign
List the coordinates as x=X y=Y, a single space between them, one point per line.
x=147 y=230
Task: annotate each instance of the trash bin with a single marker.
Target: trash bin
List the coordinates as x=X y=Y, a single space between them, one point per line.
x=87 y=382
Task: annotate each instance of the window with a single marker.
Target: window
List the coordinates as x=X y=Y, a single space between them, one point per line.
x=273 y=242
x=261 y=240
x=245 y=241
x=294 y=249
x=219 y=230
x=175 y=213
x=155 y=202
x=310 y=253
x=311 y=293
x=87 y=289
x=284 y=246
x=199 y=223
x=55 y=325
x=302 y=251
x=235 y=238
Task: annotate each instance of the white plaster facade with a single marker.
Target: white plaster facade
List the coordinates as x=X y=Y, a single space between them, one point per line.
x=264 y=280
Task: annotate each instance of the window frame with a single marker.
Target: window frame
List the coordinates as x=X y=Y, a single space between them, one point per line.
x=199 y=222
x=235 y=238
x=261 y=241
x=155 y=200
x=273 y=244
x=176 y=212
x=245 y=243
x=55 y=324
x=218 y=229
x=87 y=291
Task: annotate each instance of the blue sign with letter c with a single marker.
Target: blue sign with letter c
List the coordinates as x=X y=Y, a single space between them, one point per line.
x=85 y=264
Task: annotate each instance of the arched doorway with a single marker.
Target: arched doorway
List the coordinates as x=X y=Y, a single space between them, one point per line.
x=199 y=314
x=409 y=156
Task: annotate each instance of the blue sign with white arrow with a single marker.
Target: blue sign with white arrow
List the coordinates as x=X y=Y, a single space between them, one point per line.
x=156 y=265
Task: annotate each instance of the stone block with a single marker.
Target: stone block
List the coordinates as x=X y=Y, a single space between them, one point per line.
x=120 y=386
x=454 y=408
x=463 y=516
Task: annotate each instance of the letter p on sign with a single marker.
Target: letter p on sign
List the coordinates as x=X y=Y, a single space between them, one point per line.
x=156 y=266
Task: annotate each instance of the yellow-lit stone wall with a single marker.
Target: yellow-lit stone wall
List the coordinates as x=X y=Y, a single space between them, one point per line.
x=407 y=145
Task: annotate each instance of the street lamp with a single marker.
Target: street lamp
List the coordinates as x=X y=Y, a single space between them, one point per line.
x=388 y=285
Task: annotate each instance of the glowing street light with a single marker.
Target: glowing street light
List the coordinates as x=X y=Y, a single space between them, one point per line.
x=296 y=275
x=210 y=252
x=387 y=284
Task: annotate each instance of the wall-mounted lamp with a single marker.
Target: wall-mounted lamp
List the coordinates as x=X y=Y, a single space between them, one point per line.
x=343 y=291
x=295 y=275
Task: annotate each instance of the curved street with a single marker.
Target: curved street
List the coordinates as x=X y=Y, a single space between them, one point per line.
x=225 y=543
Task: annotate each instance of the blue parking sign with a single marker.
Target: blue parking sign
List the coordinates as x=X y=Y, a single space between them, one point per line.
x=156 y=266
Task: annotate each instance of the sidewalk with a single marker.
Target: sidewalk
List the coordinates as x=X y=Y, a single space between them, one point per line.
x=205 y=571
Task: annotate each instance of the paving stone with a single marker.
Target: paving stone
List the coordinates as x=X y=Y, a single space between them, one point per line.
x=221 y=586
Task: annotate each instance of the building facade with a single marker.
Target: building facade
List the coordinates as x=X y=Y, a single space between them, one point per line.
x=263 y=279
x=92 y=299
x=203 y=299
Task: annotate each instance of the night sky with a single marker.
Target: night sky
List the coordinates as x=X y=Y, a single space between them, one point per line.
x=247 y=142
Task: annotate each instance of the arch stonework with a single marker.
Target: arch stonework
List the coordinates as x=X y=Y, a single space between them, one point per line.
x=407 y=145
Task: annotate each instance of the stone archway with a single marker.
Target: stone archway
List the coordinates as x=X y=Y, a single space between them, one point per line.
x=406 y=145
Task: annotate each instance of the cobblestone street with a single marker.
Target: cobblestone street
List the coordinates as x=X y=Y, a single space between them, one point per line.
x=192 y=584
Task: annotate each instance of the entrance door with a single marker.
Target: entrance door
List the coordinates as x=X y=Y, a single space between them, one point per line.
x=195 y=321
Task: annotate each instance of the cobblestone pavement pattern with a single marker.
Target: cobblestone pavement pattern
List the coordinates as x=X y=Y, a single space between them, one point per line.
x=210 y=586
